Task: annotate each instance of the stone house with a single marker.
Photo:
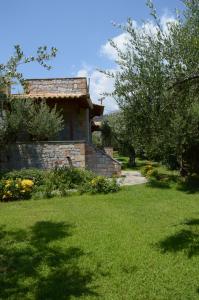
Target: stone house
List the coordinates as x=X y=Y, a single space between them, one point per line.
x=73 y=146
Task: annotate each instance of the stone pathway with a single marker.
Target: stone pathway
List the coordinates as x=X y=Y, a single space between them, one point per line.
x=131 y=178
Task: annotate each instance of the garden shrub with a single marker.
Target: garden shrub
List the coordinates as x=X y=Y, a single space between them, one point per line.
x=26 y=183
x=155 y=174
x=15 y=189
x=150 y=172
x=100 y=184
x=36 y=175
x=147 y=170
x=72 y=177
x=59 y=182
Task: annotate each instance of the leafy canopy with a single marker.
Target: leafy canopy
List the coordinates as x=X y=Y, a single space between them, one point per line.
x=23 y=118
x=157 y=85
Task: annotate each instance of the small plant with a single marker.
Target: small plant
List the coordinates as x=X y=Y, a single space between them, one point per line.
x=147 y=170
x=100 y=184
x=36 y=175
x=26 y=183
x=15 y=189
x=70 y=177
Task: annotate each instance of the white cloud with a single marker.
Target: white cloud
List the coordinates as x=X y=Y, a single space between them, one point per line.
x=109 y=51
x=121 y=40
x=82 y=73
x=166 y=20
x=100 y=83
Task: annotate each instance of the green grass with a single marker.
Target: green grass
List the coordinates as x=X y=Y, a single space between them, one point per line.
x=140 y=243
x=140 y=163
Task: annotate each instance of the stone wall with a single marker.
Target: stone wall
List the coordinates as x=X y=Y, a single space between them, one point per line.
x=100 y=162
x=109 y=151
x=47 y=155
x=43 y=155
x=57 y=86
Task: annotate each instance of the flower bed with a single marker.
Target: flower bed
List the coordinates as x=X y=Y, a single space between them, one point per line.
x=34 y=183
x=15 y=189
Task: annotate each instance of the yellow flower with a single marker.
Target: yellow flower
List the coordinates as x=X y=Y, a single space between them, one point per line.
x=8 y=183
x=27 y=183
x=93 y=181
x=7 y=194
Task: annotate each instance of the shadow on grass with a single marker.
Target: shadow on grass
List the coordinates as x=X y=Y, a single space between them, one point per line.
x=190 y=185
x=186 y=240
x=34 y=266
x=139 y=165
x=163 y=181
x=154 y=183
x=125 y=163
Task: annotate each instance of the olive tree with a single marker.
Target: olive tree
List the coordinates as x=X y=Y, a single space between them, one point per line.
x=24 y=116
x=157 y=86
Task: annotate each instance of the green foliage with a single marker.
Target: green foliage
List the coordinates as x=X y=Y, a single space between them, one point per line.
x=97 y=139
x=15 y=189
x=46 y=189
x=9 y=73
x=44 y=122
x=14 y=119
x=50 y=183
x=36 y=175
x=72 y=177
x=15 y=114
x=107 y=135
x=146 y=170
x=139 y=243
x=117 y=133
x=190 y=183
x=101 y=185
x=157 y=87
x=28 y=120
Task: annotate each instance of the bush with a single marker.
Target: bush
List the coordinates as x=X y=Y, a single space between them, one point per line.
x=36 y=175
x=70 y=177
x=100 y=184
x=57 y=182
x=150 y=172
x=146 y=171
x=15 y=189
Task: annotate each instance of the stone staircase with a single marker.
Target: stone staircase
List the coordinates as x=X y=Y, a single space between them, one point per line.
x=100 y=162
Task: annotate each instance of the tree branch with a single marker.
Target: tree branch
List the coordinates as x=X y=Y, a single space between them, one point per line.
x=184 y=80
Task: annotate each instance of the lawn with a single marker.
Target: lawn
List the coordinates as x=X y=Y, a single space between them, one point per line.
x=140 y=243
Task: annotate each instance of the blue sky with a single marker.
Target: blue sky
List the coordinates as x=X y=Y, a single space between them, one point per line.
x=79 y=29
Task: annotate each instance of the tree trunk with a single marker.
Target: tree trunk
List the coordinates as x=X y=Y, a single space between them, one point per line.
x=183 y=170
x=131 y=155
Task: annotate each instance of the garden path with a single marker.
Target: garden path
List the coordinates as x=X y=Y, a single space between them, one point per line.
x=131 y=178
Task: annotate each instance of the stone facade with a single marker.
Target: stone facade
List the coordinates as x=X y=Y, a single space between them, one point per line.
x=71 y=96
x=73 y=146
x=100 y=162
x=109 y=151
x=57 y=86
x=44 y=155
x=47 y=155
